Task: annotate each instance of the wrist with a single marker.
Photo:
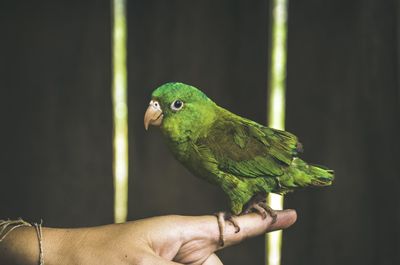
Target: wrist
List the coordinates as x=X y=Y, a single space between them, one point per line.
x=21 y=246
x=59 y=246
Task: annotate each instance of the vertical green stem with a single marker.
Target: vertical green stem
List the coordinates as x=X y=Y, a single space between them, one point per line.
x=276 y=108
x=120 y=111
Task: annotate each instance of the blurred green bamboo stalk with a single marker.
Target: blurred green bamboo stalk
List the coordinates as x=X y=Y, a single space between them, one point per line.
x=276 y=108
x=120 y=111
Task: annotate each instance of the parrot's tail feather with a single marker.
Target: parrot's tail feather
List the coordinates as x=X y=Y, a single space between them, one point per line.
x=321 y=176
x=301 y=174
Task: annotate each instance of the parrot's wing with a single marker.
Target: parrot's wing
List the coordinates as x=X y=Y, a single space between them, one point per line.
x=244 y=148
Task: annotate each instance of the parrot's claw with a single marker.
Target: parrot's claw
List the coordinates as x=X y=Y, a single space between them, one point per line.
x=261 y=208
x=269 y=210
x=222 y=217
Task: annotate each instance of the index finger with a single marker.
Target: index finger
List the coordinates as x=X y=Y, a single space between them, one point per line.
x=252 y=225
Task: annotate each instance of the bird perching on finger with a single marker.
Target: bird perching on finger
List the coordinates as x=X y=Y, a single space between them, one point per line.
x=245 y=159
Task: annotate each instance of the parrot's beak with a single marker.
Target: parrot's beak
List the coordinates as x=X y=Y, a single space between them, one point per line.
x=153 y=115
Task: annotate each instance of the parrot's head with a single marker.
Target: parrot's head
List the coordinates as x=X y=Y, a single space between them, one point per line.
x=179 y=110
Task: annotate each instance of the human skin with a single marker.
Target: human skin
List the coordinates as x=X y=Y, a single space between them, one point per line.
x=159 y=240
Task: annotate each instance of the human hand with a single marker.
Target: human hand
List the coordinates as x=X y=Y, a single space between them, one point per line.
x=158 y=240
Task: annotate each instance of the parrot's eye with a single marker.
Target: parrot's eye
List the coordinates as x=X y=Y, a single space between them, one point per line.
x=176 y=105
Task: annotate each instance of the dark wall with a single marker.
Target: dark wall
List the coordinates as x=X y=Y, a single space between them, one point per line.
x=56 y=121
x=343 y=101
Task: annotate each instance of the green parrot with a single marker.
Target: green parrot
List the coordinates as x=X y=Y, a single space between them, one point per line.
x=245 y=159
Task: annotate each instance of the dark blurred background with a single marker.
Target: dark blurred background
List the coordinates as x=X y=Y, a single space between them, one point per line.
x=343 y=101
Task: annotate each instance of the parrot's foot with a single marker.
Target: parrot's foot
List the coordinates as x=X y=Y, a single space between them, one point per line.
x=222 y=217
x=259 y=205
